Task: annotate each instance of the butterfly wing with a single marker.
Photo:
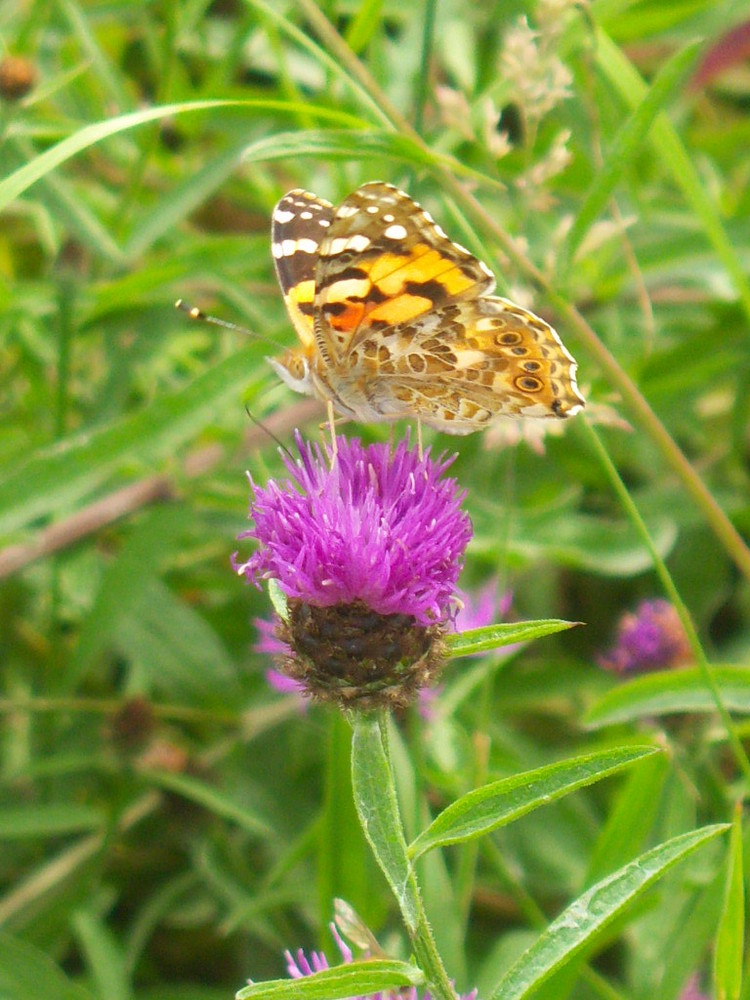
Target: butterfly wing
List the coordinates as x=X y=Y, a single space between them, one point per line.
x=384 y=261
x=467 y=363
x=298 y=226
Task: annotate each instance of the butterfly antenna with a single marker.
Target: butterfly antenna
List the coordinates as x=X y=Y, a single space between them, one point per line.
x=261 y=426
x=194 y=312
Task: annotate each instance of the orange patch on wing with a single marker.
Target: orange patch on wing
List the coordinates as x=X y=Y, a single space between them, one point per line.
x=391 y=272
x=400 y=309
x=349 y=319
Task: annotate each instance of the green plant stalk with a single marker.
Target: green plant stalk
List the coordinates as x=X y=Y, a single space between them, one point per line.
x=639 y=408
x=379 y=814
x=672 y=593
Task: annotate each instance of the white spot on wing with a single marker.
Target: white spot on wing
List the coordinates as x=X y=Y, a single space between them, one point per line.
x=282 y=216
x=346 y=211
x=289 y=247
x=358 y=242
x=395 y=232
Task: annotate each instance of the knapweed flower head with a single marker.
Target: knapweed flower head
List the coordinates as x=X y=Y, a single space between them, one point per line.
x=649 y=638
x=367 y=548
x=299 y=965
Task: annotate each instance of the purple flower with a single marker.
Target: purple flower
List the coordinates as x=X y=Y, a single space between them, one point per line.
x=692 y=991
x=298 y=966
x=367 y=548
x=378 y=526
x=650 y=638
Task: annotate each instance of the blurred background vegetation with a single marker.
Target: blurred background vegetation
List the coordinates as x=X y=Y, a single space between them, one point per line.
x=169 y=822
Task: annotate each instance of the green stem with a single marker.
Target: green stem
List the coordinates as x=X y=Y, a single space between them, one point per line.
x=671 y=591
x=374 y=788
x=423 y=79
x=639 y=408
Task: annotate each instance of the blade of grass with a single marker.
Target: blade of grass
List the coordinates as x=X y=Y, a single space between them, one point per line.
x=668 y=147
x=23 y=178
x=625 y=145
x=730 y=939
x=672 y=593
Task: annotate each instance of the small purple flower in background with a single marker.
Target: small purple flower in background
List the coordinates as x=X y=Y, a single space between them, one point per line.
x=692 y=991
x=299 y=966
x=483 y=606
x=367 y=550
x=650 y=638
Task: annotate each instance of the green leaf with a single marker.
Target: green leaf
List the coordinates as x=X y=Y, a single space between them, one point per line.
x=177 y=651
x=668 y=146
x=631 y=820
x=23 y=178
x=375 y=799
x=47 y=820
x=670 y=691
x=356 y=979
x=57 y=476
x=476 y=640
x=501 y=802
x=344 y=143
x=27 y=972
x=123 y=584
x=731 y=935
x=212 y=799
x=626 y=144
x=595 y=909
x=103 y=956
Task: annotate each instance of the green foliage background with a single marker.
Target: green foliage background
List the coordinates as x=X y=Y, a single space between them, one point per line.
x=168 y=823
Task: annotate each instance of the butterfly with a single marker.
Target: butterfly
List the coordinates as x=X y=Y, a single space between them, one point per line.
x=395 y=320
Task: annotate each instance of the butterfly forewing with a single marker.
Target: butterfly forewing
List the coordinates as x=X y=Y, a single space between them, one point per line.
x=384 y=261
x=298 y=226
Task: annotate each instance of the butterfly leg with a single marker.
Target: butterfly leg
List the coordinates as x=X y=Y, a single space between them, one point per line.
x=332 y=430
x=420 y=444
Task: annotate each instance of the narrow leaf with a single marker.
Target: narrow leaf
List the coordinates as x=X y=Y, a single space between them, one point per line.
x=345 y=143
x=501 y=802
x=356 y=979
x=668 y=146
x=592 y=911
x=671 y=691
x=626 y=145
x=22 y=179
x=27 y=972
x=476 y=640
x=103 y=956
x=212 y=799
x=57 y=476
x=375 y=799
x=47 y=820
x=731 y=935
